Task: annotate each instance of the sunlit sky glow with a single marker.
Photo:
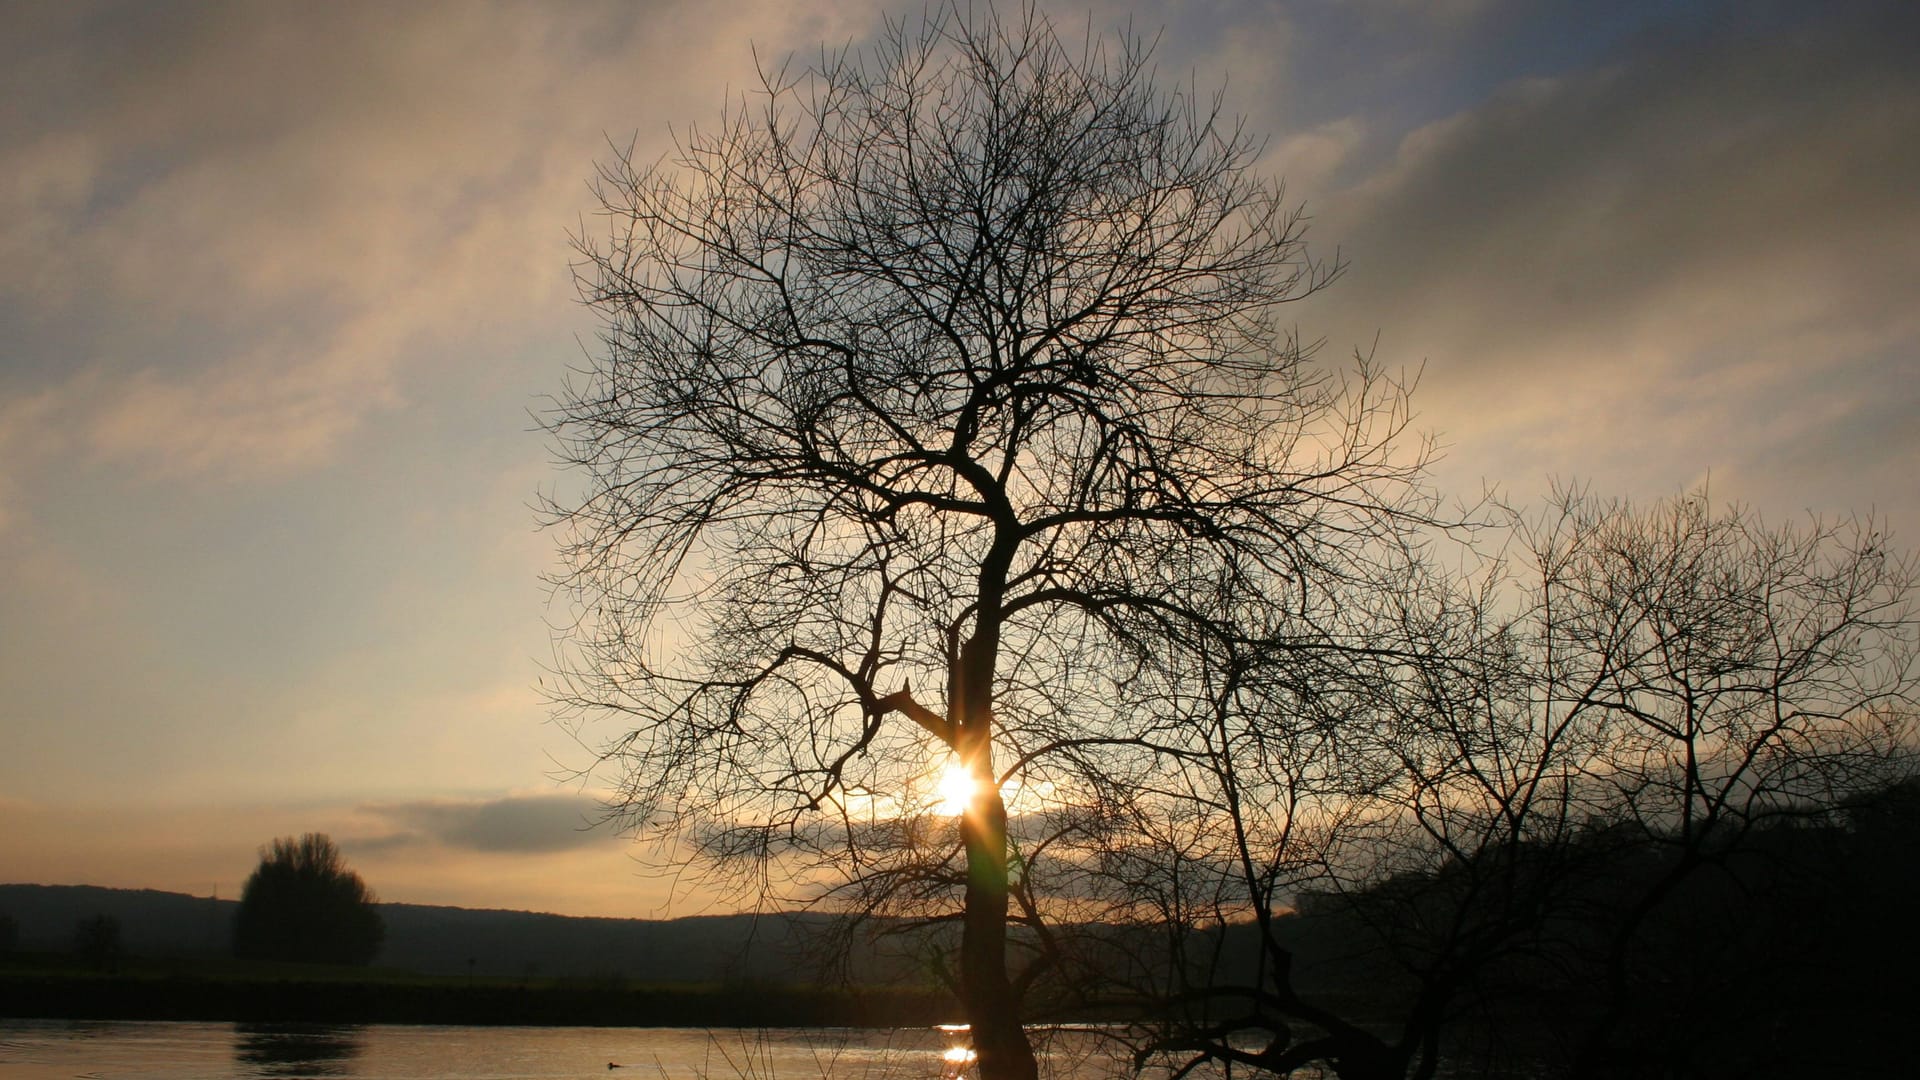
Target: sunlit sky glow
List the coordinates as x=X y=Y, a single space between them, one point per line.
x=280 y=285
x=956 y=791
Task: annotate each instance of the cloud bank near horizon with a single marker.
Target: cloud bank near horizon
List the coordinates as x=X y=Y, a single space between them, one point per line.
x=520 y=824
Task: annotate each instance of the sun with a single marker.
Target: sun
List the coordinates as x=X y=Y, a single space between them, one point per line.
x=956 y=789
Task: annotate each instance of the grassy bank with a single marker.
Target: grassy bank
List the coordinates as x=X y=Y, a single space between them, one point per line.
x=226 y=990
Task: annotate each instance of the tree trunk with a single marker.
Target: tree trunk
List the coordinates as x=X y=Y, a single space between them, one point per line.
x=986 y=991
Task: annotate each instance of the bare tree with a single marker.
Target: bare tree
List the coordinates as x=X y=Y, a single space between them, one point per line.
x=1731 y=675
x=1526 y=789
x=941 y=409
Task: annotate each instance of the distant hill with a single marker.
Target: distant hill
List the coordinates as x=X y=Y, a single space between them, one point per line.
x=458 y=941
x=152 y=923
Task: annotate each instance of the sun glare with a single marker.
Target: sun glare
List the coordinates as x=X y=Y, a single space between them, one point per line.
x=955 y=790
x=955 y=1061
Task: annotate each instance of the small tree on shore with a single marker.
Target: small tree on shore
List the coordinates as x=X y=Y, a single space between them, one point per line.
x=303 y=904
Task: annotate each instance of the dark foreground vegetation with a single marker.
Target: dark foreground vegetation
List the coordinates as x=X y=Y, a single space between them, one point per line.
x=88 y=952
x=55 y=988
x=1785 y=949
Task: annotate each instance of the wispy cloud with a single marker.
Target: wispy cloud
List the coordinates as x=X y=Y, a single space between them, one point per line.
x=1663 y=266
x=519 y=824
x=267 y=221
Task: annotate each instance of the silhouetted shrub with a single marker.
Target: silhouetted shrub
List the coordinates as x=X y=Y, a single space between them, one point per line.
x=303 y=904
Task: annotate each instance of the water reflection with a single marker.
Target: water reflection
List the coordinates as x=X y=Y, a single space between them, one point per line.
x=298 y=1049
x=958 y=1056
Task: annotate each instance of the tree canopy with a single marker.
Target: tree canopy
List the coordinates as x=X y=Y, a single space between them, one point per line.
x=943 y=413
x=943 y=410
x=1539 y=794
x=303 y=904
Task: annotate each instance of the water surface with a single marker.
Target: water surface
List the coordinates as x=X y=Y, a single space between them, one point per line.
x=145 y=1050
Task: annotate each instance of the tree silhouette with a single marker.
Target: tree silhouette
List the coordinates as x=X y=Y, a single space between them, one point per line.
x=1534 y=809
x=303 y=904
x=942 y=413
x=98 y=942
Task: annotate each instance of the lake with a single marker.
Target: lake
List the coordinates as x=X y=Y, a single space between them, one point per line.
x=136 y=1050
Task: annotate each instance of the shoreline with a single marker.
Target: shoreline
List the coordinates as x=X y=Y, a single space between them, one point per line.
x=57 y=996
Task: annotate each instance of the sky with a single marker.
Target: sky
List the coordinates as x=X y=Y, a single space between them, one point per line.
x=282 y=287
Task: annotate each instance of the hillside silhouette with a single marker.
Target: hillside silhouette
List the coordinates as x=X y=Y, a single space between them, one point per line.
x=434 y=940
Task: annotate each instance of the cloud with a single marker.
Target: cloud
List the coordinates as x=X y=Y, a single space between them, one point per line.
x=515 y=824
x=244 y=419
x=232 y=235
x=21 y=419
x=1309 y=160
x=1669 y=264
